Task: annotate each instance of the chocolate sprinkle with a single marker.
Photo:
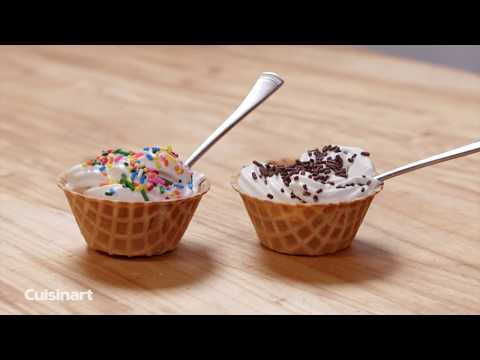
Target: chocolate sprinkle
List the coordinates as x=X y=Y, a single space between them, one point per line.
x=320 y=166
x=365 y=153
x=270 y=196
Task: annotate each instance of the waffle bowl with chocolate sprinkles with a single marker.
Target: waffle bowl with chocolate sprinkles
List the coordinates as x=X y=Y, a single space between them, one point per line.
x=302 y=228
x=132 y=228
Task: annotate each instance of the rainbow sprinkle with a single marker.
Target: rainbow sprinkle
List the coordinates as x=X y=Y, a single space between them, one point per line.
x=136 y=175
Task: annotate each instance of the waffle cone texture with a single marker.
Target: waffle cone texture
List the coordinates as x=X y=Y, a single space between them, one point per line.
x=132 y=228
x=305 y=229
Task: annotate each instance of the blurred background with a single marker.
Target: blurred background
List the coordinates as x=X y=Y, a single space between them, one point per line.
x=465 y=57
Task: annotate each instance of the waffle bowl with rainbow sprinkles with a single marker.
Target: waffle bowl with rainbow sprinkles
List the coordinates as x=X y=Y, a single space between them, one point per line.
x=133 y=203
x=140 y=203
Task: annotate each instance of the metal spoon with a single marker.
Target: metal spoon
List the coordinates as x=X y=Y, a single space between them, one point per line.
x=265 y=86
x=448 y=155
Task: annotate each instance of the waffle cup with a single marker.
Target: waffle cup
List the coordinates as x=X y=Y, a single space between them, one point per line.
x=305 y=229
x=132 y=228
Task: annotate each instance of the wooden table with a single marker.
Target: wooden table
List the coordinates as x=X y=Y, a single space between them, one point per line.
x=418 y=251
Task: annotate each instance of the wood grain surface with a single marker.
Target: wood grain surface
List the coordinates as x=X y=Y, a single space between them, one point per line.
x=418 y=251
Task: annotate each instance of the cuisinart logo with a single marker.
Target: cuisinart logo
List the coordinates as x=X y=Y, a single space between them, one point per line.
x=58 y=295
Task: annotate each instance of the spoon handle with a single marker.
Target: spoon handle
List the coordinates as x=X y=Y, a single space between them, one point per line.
x=448 y=155
x=265 y=86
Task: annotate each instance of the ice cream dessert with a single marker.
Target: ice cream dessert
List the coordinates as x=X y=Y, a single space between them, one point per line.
x=329 y=175
x=153 y=174
x=133 y=203
x=313 y=205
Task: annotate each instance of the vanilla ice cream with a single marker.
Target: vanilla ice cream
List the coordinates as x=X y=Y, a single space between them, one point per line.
x=153 y=174
x=331 y=175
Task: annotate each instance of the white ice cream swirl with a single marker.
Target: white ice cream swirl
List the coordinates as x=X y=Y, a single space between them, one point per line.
x=329 y=175
x=154 y=174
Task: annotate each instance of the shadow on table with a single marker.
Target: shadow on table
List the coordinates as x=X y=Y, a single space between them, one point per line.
x=358 y=263
x=187 y=264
